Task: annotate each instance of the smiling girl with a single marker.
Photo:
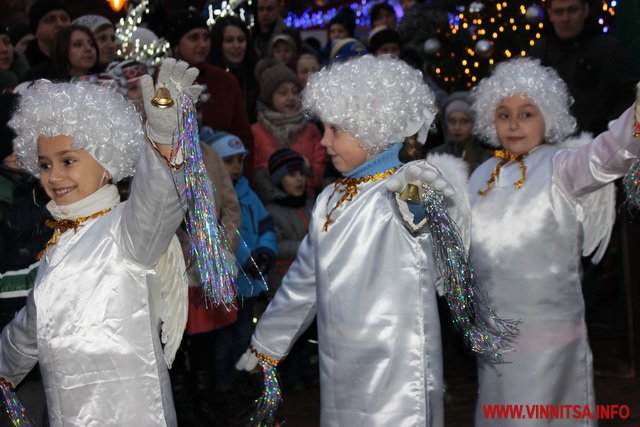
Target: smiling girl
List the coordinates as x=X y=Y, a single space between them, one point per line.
x=542 y=203
x=107 y=311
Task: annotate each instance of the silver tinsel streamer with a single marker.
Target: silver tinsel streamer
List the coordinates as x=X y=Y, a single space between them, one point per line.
x=209 y=246
x=484 y=332
x=631 y=183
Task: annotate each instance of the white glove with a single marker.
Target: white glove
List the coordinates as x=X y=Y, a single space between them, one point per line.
x=420 y=174
x=177 y=77
x=247 y=362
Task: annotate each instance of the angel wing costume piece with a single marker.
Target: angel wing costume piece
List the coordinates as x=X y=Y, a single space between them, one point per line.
x=526 y=247
x=107 y=297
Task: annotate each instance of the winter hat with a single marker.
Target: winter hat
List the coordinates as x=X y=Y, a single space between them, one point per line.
x=282 y=38
x=347 y=18
x=270 y=75
x=344 y=49
x=180 y=23
x=458 y=101
x=379 y=7
x=285 y=161
x=40 y=8
x=92 y=22
x=224 y=143
x=8 y=102
x=381 y=35
x=128 y=70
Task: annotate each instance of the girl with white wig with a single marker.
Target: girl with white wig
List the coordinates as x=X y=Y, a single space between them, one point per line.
x=366 y=267
x=545 y=200
x=110 y=290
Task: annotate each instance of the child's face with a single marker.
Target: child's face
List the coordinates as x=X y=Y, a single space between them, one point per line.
x=345 y=151
x=68 y=175
x=306 y=67
x=234 y=165
x=391 y=48
x=337 y=31
x=519 y=124
x=286 y=99
x=293 y=183
x=459 y=126
x=282 y=52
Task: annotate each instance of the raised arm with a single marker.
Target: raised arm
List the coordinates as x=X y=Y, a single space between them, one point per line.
x=155 y=208
x=601 y=161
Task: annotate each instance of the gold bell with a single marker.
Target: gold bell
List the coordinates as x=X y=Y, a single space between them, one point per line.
x=410 y=193
x=162 y=98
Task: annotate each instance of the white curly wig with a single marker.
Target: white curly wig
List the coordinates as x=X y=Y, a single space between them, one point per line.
x=528 y=78
x=380 y=100
x=98 y=119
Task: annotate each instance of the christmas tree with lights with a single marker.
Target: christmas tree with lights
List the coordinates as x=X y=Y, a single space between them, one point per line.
x=481 y=34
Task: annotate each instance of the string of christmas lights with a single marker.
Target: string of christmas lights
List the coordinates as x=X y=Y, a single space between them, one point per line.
x=150 y=53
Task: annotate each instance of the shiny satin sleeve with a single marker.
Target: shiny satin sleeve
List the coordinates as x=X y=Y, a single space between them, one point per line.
x=605 y=159
x=19 y=348
x=153 y=212
x=292 y=309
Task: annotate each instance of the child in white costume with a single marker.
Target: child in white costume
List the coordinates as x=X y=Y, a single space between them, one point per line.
x=547 y=200
x=110 y=289
x=366 y=267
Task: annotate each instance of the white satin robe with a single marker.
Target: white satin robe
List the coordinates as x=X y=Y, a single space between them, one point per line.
x=93 y=319
x=526 y=246
x=372 y=285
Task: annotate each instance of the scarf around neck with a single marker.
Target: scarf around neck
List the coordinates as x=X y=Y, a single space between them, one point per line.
x=285 y=127
x=105 y=197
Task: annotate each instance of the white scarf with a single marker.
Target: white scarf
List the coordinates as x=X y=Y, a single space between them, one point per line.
x=105 y=197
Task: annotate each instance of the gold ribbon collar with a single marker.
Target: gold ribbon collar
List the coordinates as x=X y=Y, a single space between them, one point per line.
x=64 y=225
x=505 y=157
x=349 y=189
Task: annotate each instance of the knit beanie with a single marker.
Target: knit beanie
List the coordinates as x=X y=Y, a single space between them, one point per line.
x=180 y=23
x=40 y=8
x=344 y=49
x=270 y=75
x=458 y=101
x=8 y=102
x=282 y=38
x=347 y=18
x=283 y=162
x=381 y=35
x=92 y=22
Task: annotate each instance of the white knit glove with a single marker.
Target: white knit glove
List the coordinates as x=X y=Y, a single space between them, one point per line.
x=162 y=123
x=420 y=174
x=247 y=362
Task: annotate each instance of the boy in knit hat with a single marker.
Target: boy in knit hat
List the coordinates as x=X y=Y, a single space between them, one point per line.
x=283 y=49
x=385 y=41
x=282 y=124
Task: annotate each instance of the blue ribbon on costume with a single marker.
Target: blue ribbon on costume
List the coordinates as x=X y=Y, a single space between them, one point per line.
x=13 y=407
x=209 y=246
x=631 y=184
x=484 y=332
